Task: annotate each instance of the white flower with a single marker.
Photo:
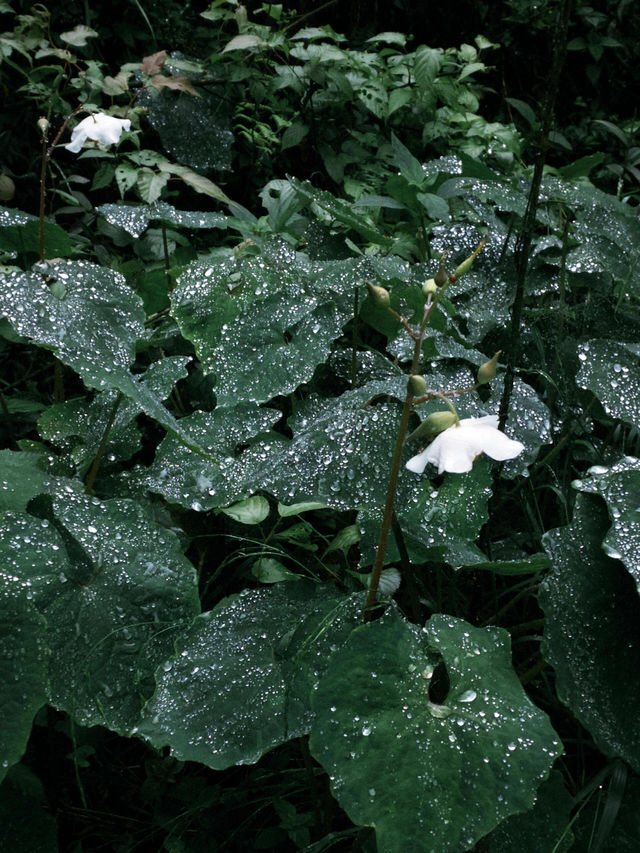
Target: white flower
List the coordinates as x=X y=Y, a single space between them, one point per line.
x=100 y=128
x=455 y=449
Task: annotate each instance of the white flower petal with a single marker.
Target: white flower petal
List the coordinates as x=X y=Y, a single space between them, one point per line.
x=455 y=448
x=418 y=463
x=100 y=128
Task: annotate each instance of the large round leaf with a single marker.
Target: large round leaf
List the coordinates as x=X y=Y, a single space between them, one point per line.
x=242 y=674
x=592 y=631
x=610 y=371
x=111 y=584
x=620 y=487
x=429 y=776
x=23 y=674
x=89 y=316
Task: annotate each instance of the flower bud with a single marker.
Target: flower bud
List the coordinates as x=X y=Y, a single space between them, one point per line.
x=379 y=295
x=417 y=385
x=434 y=424
x=465 y=266
x=487 y=371
x=43 y=125
x=430 y=287
x=441 y=276
x=7 y=188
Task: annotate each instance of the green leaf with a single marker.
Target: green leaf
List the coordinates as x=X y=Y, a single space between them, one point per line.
x=26 y=823
x=429 y=776
x=341 y=211
x=241 y=677
x=150 y=185
x=545 y=828
x=592 y=631
x=285 y=511
x=20 y=236
x=263 y=324
x=427 y=63
x=92 y=326
x=184 y=478
x=79 y=425
x=620 y=487
x=436 y=207
x=610 y=371
x=23 y=675
x=110 y=583
x=21 y=479
x=410 y=168
x=253 y=510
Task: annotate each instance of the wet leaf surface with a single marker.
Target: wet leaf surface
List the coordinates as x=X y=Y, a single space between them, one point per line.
x=240 y=680
x=429 y=775
x=592 y=631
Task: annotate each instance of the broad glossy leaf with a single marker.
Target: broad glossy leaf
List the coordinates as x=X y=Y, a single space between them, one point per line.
x=111 y=584
x=429 y=776
x=545 y=828
x=253 y=510
x=78 y=425
x=620 y=487
x=23 y=675
x=242 y=674
x=592 y=631
x=20 y=236
x=22 y=477
x=92 y=325
x=263 y=324
x=341 y=451
x=610 y=370
x=135 y=218
x=193 y=131
x=184 y=478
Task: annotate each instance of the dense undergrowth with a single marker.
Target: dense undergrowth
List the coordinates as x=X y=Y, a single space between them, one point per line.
x=221 y=628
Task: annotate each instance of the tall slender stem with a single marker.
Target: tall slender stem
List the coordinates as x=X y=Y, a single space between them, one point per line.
x=396 y=459
x=95 y=466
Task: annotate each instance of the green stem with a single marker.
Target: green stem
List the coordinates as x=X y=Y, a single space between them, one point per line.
x=354 y=340
x=95 y=466
x=388 y=513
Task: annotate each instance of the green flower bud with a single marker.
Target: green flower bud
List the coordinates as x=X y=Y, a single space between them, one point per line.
x=7 y=188
x=465 y=266
x=434 y=424
x=43 y=125
x=487 y=371
x=430 y=287
x=441 y=276
x=379 y=295
x=417 y=385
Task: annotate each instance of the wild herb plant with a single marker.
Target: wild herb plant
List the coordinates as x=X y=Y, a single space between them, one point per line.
x=255 y=505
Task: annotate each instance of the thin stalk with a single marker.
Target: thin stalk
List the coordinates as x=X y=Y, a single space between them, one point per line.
x=525 y=237
x=387 y=515
x=354 y=340
x=95 y=465
x=167 y=264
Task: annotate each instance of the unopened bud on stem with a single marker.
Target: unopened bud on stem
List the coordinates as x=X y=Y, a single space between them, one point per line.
x=417 y=385
x=441 y=276
x=43 y=125
x=433 y=425
x=429 y=288
x=379 y=295
x=465 y=266
x=487 y=371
